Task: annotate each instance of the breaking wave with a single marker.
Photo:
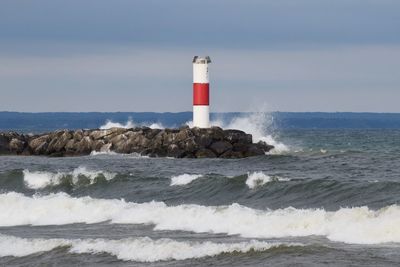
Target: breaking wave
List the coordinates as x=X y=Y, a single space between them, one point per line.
x=258 y=124
x=42 y=179
x=184 y=179
x=358 y=225
x=132 y=249
x=130 y=124
x=257 y=179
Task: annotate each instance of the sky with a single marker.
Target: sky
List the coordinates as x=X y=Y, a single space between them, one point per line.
x=133 y=55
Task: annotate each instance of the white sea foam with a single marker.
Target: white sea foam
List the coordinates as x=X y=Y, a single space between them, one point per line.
x=20 y=247
x=358 y=225
x=42 y=179
x=130 y=124
x=184 y=179
x=107 y=152
x=257 y=179
x=132 y=249
x=258 y=124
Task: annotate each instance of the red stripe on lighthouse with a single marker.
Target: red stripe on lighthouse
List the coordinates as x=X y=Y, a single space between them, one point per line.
x=201 y=94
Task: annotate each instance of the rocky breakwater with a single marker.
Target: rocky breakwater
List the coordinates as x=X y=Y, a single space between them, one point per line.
x=184 y=142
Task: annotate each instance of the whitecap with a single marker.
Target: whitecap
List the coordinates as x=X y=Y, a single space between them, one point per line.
x=142 y=249
x=257 y=179
x=184 y=179
x=42 y=179
x=357 y=225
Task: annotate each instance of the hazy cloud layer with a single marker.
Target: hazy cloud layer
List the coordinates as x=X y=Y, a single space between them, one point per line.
x=136 y=55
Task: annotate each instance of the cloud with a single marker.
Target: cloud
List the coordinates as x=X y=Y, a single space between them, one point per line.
x=153 y=79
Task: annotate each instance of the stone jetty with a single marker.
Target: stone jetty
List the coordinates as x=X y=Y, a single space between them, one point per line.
x=183 y=142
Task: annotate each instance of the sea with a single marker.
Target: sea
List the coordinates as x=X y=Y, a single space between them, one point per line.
x=327 y=195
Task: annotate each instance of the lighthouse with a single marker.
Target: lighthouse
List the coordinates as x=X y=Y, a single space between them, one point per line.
x=201 y=92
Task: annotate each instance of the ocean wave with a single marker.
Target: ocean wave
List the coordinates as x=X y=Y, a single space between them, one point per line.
x=257 y=179
x=184 y=179
x=130 y=124
x=107 y=152
x=42 y=179
x=258 y=124
x=358 y=225
x=132 y=249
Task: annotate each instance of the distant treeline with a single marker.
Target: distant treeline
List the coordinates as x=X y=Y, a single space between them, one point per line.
x=48 y=121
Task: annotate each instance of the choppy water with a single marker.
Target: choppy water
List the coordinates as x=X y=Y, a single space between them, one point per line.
x=331 y=198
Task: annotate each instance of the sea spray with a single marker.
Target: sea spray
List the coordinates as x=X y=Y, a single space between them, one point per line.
x=258 y=124
x=130 y=124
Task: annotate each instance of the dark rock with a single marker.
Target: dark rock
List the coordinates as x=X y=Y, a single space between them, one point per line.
x=220 y=147
x=17 y=145
x=215 y=133
x=41 y=149
x=205 y=153
x=189 y=145
x=232 y=155
x=254 y=150
x=154 y=152
x=236 y=136
x=204 y=140
x=4 y=144
x=183 y=134
x=152 y=133
x=178 y=143
x=264 y=146
x=174 y=151
x=240 y=147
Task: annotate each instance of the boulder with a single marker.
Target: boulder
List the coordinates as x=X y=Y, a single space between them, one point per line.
x=84 y=147
x=204 y=140
x=58 y=143
x=189 y=145
x=205 y=153
x=236 y=136
x=38 y=145
x=99 y=134
x=78 y=135
x=183 y=134
x=232 y=155
x=240 y=147
x=4 y=144
x=220 y=147
x=174 y=151
x=184 y=142
x=254 y=150
x=97 y=145
x=16 y=145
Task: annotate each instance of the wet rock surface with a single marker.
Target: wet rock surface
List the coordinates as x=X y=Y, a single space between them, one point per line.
x=184 y=142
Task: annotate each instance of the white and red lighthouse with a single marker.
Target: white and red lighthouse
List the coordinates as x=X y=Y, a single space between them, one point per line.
x=201 y=92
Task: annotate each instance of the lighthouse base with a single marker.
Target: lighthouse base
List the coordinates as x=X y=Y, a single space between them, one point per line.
x=201 y=116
